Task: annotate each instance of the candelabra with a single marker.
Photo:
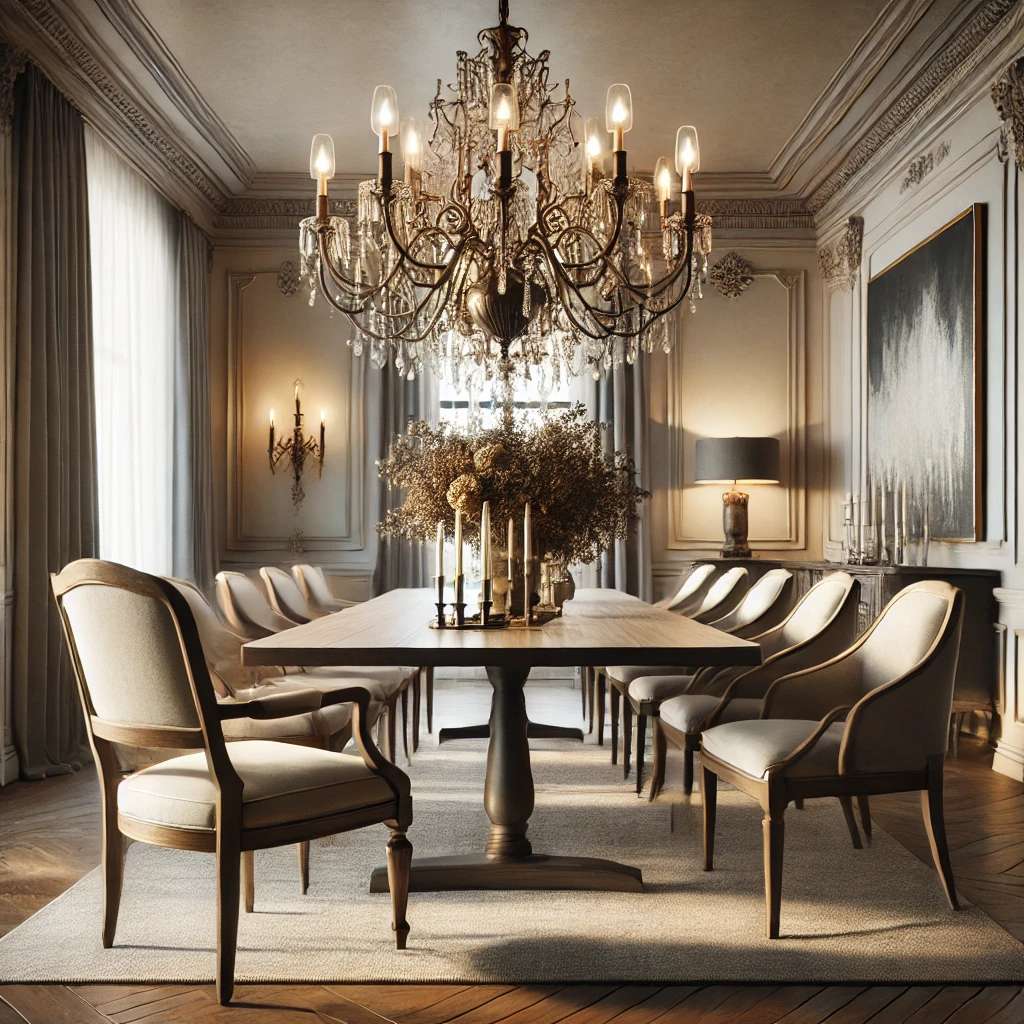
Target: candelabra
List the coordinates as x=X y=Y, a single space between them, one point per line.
x=296 y=449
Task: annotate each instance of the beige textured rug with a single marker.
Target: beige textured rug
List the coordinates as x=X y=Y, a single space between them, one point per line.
x=876 y=915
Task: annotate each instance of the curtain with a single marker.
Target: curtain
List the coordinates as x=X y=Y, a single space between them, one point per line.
x=55 y=519
x=623 y=402
x=401 y=562
x=193 y=531
x=134 y=234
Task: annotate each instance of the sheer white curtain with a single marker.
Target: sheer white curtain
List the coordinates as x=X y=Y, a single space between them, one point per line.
x=133 y=240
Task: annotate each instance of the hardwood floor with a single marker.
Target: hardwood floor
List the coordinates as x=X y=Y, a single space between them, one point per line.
x=49 y=838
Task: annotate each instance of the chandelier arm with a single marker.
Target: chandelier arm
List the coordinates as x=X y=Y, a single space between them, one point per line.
x=655 y=289
x=620 y=202
x=404 y=253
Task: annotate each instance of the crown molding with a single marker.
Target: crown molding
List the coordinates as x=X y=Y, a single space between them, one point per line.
x=758 y=212
x=142 y=39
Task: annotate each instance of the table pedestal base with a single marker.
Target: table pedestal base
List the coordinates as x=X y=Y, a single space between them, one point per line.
x=509 y=861
x=534 y=730
x=536 y=871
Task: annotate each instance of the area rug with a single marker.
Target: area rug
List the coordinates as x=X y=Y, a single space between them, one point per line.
x=875 y=915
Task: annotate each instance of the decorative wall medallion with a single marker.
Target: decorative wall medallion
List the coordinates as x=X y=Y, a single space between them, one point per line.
x=732 y=275
x=288 y=278
x=12 y=63
x=1008 y=96
x=921 y=166
x=839 y=262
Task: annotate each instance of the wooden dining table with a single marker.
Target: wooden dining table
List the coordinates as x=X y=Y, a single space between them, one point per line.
x=598 y=627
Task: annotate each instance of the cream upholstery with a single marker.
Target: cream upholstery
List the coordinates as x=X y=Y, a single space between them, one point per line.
x=754 y=747
x=285 y=597
x=811 y=615
x=757 y=602
x=658 y=687
x=245 y=609
x=333 y=720
x=282 y=783
x=131 y=657
x=688 y=711
x=315 y=592
x=625 y=674
x=725 y=593
x=691 y=591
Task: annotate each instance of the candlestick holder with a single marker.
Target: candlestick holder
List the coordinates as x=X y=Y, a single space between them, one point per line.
x=486 y=600
x=460 y=599
x=440 y=603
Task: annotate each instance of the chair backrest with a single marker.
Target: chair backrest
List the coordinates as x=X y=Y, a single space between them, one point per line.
x=285 y=597
x=763 y=596
x=692 y=590
x=812 y=614
x=221 y=645
x=315 y=592
x=137 y=656
x=905 y=665
x=725 y=593
x=246 y=609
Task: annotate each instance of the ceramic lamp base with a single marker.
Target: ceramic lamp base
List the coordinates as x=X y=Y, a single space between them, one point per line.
x=734 y=523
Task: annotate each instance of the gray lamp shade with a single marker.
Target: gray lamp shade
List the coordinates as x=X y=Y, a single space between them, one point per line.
x=752 y=460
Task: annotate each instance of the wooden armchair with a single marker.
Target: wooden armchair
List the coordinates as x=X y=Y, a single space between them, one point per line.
x=152 y=688
x=822 y=625
x=883 y=712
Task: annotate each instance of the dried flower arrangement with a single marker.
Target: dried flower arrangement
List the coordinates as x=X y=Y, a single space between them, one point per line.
x=581 y=498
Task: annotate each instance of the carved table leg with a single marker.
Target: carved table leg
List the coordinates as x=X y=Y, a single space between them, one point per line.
x=508 y=861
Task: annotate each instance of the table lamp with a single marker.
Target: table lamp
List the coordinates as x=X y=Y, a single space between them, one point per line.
x=737 y=460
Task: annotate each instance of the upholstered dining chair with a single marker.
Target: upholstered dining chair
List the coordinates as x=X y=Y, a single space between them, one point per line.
x=875 y=719
x=143 y=681
x=691 y=590
x=247 y=611
x=286 y=598
x=822 y=625
x=317 y=595
x=723 y=595
x=768 y=601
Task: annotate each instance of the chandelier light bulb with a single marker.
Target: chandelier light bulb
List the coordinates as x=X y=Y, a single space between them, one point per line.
x=663 y=180
x=687 y=155
x=503 y=112
x=412 y=144
x=618 y=112
x=321 y=162
x=384 y=115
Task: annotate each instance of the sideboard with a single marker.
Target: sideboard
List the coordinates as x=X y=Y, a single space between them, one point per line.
x=976 y=677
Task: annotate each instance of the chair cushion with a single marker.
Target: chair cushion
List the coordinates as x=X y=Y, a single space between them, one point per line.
x=625 y=674
x=753 y=747
x=688 y=711
x=382 y=681
x=297 y=727
x=282 y=783
x=657 y=687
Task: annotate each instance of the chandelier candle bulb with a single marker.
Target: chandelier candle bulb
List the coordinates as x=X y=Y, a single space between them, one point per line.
x=687 y=155
x=321 y=162
x=384 y=115
x=663 y=186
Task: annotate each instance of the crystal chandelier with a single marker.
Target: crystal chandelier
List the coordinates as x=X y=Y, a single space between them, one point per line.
x=515 y=241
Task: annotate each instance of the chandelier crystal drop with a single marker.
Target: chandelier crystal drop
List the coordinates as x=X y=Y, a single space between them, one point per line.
x=516 y=243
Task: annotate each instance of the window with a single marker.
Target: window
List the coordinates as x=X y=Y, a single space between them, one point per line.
x=133 y=240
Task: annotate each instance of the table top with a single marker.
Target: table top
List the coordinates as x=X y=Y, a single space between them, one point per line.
x=597 y=627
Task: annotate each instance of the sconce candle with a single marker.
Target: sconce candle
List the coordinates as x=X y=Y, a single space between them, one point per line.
x=296 y=450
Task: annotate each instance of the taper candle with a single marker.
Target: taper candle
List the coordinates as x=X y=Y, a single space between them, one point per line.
x=511 y=546
x=527 y=538
x=439 y=560
x=323 y=425
x=458 y=543
x=271 y=430
x=903 y=508
x=485 y=541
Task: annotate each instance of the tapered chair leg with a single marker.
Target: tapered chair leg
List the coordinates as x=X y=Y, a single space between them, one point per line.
x=709 y=801
x=935 y=826
x=417 y=699
x=774 y=841
x=602 y=687
x=430 y=698
x=584 y=672
x=865 y=816
x=641 y=751
x=798 y=803
x=399 y=863
x=688 y=771
x=851 y=822
x=627 y=734
x=228 y=871
x=113 y=856
x=660 y=750
x=392 y=730
x=249 y=880
x=591 y=686
x=613 y=697
x=405 y=725
x=303 y=849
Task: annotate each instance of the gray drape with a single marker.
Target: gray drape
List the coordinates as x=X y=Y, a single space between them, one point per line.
x=54 y=437
x=400 y=562
x=623 y=402
x=193 y=540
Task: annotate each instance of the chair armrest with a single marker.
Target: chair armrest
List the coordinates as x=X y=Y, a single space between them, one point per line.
x=808 y=744
x=814 y=692
x=273 y=705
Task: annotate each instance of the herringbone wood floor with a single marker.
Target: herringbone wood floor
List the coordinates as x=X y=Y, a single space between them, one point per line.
x=49 y=837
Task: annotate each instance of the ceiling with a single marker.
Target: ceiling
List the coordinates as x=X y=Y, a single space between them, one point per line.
x=745 y=72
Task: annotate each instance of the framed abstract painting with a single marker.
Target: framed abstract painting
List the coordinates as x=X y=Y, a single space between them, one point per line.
x=924 y=379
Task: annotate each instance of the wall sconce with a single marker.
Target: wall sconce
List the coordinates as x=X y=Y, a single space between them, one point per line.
x=296 y=450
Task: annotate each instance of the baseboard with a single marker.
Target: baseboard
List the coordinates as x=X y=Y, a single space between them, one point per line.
x=1009 y=761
